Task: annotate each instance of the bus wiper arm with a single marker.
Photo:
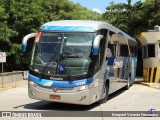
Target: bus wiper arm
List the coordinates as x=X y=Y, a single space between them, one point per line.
x=72 y=56
x=47 y=64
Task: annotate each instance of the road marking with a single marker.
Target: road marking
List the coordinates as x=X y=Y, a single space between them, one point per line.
x=4 y=89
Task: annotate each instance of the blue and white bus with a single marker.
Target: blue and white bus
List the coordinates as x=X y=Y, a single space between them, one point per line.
x=80 y=61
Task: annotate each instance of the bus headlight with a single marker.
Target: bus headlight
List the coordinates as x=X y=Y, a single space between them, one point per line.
x=84 y=87
x=80 y=88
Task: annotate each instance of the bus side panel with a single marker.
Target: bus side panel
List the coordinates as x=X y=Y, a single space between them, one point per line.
x=134 y=66
x=126 y=68
x=117 y=71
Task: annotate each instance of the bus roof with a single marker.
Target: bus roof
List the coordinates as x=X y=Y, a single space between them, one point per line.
x=82 y=25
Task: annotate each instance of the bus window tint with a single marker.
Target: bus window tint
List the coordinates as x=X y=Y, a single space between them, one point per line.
x=133 y=50
x=78 y=43
x=124 y=50
x=112 y=48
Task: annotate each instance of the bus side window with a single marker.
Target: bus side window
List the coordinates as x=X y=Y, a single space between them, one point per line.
x=124 y=50
x=111 y=47
x=114 y=48
x=113 y=44
x=100 y=58
x=102 y=50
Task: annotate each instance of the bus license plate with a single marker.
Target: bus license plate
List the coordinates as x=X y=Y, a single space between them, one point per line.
x=57 y=97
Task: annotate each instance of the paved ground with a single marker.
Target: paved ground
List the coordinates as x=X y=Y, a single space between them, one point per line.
x=137 y=98
x=13 y=84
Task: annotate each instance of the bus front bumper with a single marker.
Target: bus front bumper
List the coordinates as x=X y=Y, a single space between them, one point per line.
x=85 y=97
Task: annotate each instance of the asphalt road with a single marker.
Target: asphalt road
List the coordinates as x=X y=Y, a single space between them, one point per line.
x=137 y=98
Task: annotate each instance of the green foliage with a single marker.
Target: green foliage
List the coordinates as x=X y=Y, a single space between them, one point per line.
x=21 y=17
x=135 y=18
x=5 y=32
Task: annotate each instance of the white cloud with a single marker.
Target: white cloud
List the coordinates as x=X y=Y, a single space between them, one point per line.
x=97 y=10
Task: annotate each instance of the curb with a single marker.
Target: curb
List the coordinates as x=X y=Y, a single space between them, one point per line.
x=4 y=89
x=148 y=85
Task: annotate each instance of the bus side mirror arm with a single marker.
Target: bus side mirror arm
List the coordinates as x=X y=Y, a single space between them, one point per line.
x=96 y=44
x=25 y=39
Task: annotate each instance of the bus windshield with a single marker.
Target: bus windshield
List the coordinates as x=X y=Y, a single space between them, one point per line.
x=62 y=53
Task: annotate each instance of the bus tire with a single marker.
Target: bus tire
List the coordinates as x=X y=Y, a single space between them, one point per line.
x=128 y=83
x=132 y=82
x=105 y=94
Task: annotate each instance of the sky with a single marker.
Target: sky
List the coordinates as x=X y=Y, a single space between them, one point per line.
x=100 y=5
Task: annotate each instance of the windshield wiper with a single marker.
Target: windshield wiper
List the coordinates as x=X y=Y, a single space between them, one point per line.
x=72 y=55
x=45 y=67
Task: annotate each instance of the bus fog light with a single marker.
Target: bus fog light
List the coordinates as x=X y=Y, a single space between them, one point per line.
x=32 y=93
x=82 y=98
x=31 y=83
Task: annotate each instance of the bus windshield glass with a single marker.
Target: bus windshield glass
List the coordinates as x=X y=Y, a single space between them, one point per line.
x=62 y=53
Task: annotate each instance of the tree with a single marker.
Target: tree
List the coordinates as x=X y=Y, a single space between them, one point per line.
x=5 y=31
x=120 y=15
x=21 y=17
x=135 y=18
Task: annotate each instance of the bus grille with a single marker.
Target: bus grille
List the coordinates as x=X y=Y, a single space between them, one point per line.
x=56 y=90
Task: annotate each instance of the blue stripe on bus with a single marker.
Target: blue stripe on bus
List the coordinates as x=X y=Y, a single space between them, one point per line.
x=24 y=46
x=60 y=84
x=67 y=28
x=95 y=51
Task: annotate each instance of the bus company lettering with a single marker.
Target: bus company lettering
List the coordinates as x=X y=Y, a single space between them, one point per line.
x=80 y=83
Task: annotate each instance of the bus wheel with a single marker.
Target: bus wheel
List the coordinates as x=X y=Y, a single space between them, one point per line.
x=105 y=94
x=132 y=82
x=128 y=83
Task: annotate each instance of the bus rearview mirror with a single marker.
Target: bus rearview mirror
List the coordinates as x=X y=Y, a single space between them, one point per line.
x=96 y=44
x=25 y=39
